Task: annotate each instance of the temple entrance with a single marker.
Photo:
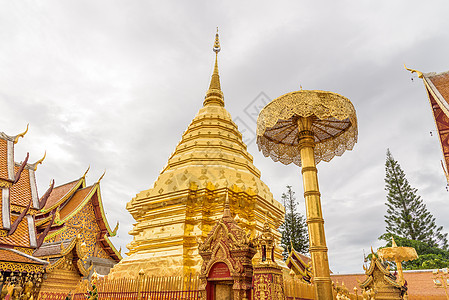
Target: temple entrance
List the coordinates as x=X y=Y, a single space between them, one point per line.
x=227 y=271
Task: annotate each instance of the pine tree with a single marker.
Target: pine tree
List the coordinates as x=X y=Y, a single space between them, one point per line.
x=407 y=215
x=294 y=229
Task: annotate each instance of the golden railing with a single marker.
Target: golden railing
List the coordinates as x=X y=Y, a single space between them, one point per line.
x=141 y=288
x=296 y=289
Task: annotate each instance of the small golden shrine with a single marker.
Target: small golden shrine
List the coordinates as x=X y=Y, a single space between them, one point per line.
x=210 y=163
x=227 y=253
x=380 y=283
x=268 y=279
x=20 y=271
x=437 y=87
x=77 y=240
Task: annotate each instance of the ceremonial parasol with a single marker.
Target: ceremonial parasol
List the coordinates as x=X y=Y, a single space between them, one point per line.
x=305 y=127
x=398 y=255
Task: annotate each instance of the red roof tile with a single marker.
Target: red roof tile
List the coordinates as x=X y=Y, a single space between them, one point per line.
x=20 y=193
x=59 y=193
x=75 y=201
x=15 y=256
x=21 y=236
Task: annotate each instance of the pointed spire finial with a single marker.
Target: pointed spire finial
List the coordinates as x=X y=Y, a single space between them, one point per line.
x=85 y=173
x=217 y=47
x=393 y=243
x=227 y=210
x=101 y=177
x=214 y=95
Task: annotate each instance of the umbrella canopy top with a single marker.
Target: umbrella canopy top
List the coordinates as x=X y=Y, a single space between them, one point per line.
x=334 y=125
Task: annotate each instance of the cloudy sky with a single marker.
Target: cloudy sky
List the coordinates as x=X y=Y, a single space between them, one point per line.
x=113 y=84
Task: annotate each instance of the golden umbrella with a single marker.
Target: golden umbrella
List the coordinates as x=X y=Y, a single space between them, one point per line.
x=305 y=127
x=398 y=255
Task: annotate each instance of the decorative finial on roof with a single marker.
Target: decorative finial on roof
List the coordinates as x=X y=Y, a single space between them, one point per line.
x=16 y=139
x=39 y=161
x=214 y=95
x=227 y=210
x=420 y=74
x=393 y=243
x=101 y=177
x=85 y=173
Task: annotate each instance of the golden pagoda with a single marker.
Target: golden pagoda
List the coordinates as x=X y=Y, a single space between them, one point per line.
x=210 y=162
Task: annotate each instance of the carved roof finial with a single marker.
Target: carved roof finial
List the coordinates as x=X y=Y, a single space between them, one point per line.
x=101 y=177
x=227 y=210
x=16 y=139
x=420 y=74
x=85 y=173
x=39 y=161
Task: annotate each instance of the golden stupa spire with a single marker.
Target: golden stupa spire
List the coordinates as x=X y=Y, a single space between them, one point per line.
x=214 y=95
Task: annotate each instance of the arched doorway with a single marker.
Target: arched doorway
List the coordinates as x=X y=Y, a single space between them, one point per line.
x=219 y=282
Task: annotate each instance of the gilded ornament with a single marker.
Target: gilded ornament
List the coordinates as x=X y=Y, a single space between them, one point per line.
x=16 y=138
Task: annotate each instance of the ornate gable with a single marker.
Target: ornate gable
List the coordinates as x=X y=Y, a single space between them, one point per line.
x=381 y=281
x=227 y=253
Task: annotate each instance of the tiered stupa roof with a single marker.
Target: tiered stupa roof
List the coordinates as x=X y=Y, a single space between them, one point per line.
x=210 y=163
x=211 y=153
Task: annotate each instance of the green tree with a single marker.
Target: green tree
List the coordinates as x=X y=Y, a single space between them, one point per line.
x=294 y=229
x=407 y=215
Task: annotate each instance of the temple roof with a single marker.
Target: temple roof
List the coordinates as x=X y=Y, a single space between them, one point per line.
x=437 y=87
x=69 y=199
x=12 y=255
x=62 y=193
x=18 y=191
x=300 y=264
x=211 y=153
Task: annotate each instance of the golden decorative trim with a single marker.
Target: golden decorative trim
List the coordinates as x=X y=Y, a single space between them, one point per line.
x=55 y=233
x=113 y=247
x=28 y=251
x=5 y=183
x=3 y=233
x=20 y=267
x=16 y=208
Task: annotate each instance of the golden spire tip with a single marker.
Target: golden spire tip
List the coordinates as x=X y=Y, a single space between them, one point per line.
x=217 y=47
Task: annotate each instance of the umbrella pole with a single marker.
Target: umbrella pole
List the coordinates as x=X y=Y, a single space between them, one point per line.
x=315 y=221
x=400 y=273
